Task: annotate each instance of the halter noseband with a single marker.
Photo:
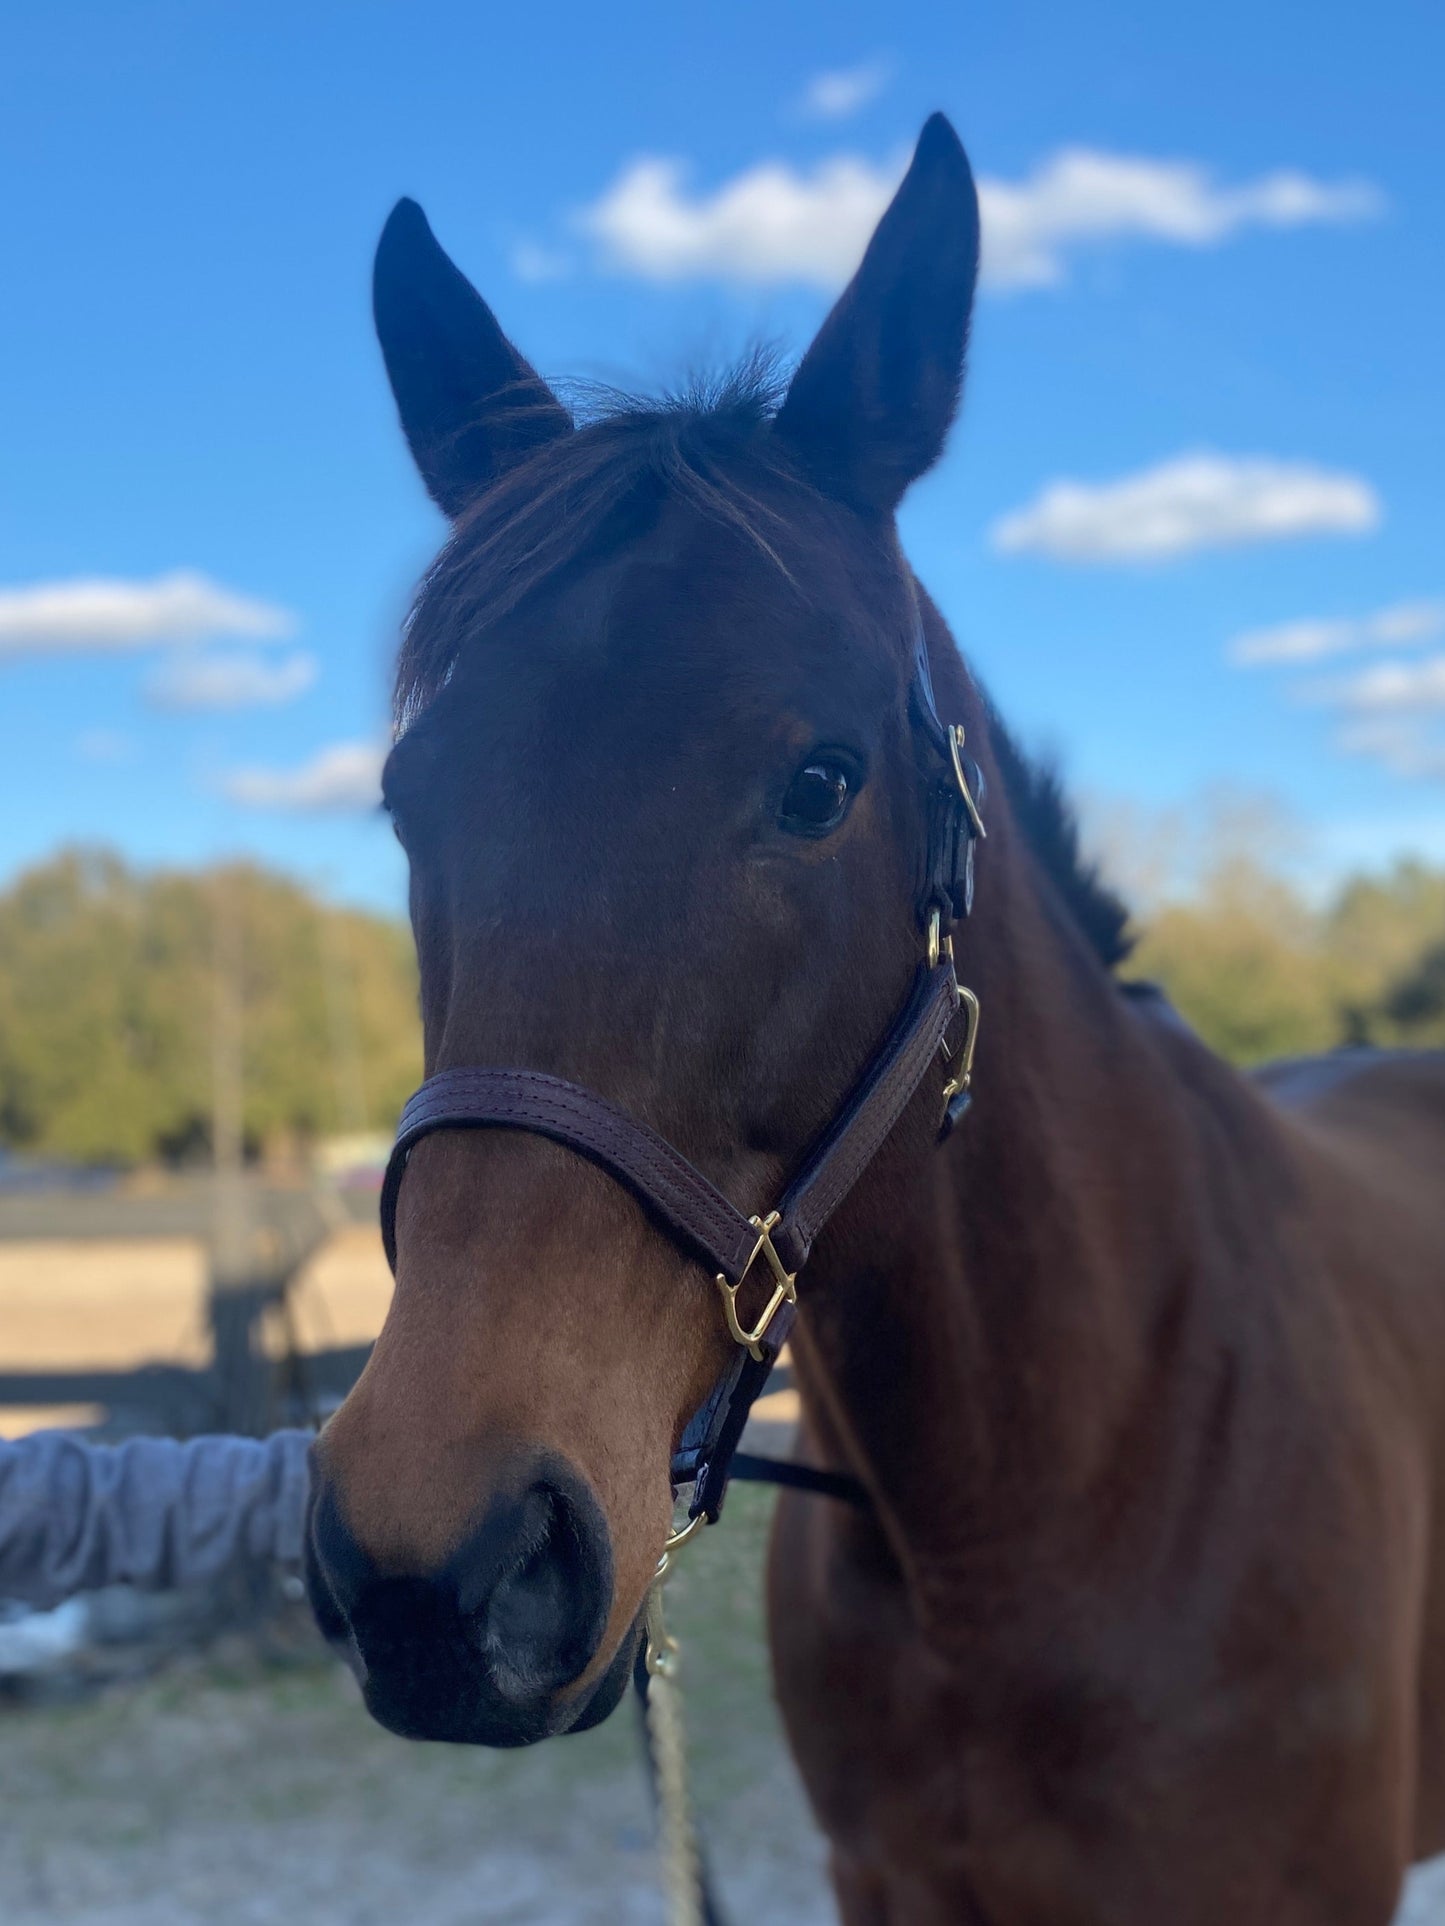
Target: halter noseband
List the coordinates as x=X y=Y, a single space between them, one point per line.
x=704 y=1222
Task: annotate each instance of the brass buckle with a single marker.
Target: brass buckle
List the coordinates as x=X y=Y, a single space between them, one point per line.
x=785 y=1288
x=955 y=749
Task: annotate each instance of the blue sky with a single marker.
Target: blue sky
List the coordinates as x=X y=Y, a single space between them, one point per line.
x=1206 y=398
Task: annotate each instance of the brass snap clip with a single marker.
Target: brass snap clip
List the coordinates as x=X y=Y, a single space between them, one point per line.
x=960 y=776
x=963 y=1075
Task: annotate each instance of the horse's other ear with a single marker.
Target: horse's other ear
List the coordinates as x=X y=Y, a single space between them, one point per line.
x=469 y=403
x=871 y=404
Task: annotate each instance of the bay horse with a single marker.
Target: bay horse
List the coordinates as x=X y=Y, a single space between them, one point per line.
x=1142 y=1370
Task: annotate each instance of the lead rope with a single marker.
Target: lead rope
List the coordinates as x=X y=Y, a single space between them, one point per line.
x=677 y=1835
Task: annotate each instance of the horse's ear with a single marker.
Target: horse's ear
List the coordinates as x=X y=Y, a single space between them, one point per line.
x=470 y=405
x=871 y=404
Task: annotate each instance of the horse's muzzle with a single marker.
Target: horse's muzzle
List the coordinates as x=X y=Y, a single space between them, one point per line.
x=482 y=1650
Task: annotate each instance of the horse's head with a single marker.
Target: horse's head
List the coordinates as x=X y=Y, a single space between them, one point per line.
x=656 y=778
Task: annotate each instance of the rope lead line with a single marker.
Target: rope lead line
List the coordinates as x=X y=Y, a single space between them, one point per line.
x=681 y=1868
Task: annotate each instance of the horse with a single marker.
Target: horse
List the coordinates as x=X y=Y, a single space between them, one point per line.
x=1140 y=1368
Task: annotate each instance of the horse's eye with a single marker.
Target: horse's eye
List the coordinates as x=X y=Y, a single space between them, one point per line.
x=817 y=798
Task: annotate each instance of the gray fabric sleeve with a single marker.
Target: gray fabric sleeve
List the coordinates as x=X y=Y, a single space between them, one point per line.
x=153 y=1512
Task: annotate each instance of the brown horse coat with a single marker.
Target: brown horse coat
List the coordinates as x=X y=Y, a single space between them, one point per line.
x=1162 y=1637
x=1143 y=1370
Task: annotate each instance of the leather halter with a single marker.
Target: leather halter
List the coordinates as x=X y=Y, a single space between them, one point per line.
x=707 y=1225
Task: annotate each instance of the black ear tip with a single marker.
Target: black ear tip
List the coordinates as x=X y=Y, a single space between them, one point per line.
x=406 y=224
x=938 y=143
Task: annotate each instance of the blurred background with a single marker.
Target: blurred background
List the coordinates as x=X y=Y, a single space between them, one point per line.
x=1188 y=532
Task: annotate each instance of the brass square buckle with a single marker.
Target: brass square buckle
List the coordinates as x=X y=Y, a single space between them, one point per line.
x=785 y=1288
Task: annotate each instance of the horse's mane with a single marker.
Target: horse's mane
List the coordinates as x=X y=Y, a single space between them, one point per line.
x=580 y=494
x=1047 y=819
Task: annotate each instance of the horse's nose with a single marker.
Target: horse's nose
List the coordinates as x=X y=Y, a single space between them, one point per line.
x=478 y=1648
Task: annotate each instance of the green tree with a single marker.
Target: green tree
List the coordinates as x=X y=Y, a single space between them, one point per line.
x=1243 y=962
x=107 y=1003
x=1262 y=973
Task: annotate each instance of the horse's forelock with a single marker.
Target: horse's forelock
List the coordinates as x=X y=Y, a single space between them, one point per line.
x=575 y=496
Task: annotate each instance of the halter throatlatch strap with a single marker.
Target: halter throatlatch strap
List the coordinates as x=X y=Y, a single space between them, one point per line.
x=759 y=1256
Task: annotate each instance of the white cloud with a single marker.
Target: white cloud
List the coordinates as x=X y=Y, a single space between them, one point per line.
x=776 y=223
x=535 y=263
x=1314 y=639
x=1392 y=713
x=344 y=777
x=842 y=91
x=771 y=223
x=1389 y=688
x=1401 y=744
x=87 y=615
x=1080 y=197
x=240 y=679
x=1192 y=502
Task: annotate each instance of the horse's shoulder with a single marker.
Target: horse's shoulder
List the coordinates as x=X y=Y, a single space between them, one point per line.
x=1358 y=1089
x=1363 y=1073
x=1383 y=1113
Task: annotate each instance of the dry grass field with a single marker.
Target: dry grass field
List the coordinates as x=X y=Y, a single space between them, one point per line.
x=88 y=1305
x=93 y=1304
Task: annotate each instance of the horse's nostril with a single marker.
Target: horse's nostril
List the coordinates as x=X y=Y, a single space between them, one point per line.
x=482 y=1646
x=546 y=1613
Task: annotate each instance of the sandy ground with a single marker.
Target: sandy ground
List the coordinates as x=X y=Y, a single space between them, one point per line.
x=342 y=1294
x=82 y=1304
x=77 y=1304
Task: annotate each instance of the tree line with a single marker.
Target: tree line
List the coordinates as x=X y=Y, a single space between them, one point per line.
x=110 y=978
x=1263 y=971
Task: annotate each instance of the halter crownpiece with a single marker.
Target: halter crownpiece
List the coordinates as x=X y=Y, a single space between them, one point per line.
x=775 y=1245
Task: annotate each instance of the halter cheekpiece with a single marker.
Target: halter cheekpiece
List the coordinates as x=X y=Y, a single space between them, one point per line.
x=773 y=1247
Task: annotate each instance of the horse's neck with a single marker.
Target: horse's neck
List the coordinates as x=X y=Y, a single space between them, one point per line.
x=999 y=1374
